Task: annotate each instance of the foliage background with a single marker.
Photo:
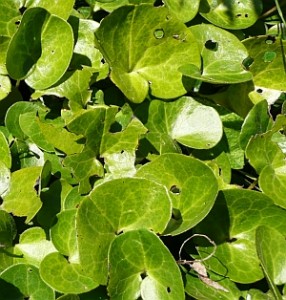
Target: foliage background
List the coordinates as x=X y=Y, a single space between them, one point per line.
x=142 y=149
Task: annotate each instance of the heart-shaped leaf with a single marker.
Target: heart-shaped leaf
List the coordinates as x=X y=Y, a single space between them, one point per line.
x=115 y=206
x=31 y=285
x=234 y=218
x=134 y=273
x=43 y=45
x=64 y=276
x=146 y=56
x=185 y=178
x=222 y=55
x=231 y=14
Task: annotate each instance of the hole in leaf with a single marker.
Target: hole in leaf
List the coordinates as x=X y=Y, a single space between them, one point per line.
x=259 y=91
x=269 y=56
x=238 y=15
x=159 y=33
x=143 y=275
x=17 y=22
x=246 y=15
x=176 y=214
x=232 y=240
x=270 y=40
x=168 y=289
x=119 y=232
x=247 y=62
x=211 y=45
x=175 y=190
x=115 y=127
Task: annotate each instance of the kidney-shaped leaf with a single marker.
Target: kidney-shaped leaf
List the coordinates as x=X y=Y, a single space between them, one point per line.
x=27 y=280
x=187 y=121
x=231 y=14
x=144 y=46
x=268 y=65
x=222 y=55
x=43 y=46
x=270 y=246
x=191 y=183
x=140 y=265
x=234 y=218
x=116 y=206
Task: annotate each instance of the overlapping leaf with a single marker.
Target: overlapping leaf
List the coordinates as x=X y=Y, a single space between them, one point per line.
x=147 y=56
x=115 y=206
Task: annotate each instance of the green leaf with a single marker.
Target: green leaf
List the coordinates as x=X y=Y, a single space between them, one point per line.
x=63 y=234
x=74 y=86
x=137 y=66
x=22 y=198
x=272 y=182
x=185 y=178
x=187 y=121
x=8 y=229
x=5 y=151
x=64 y=276
x=61 y=8
x=115 y=206
x=234 y=219
x=135 y=273
x=43 y=45
x=5 y=86
x=268 y=66
x=270 y=246
x=9 y=15
x=231 y=14
x=31 y=285
x=256 y=122
x=198 y=289
x=183 y=10
x=13 y=116
x=222 y=54
x=34 y=245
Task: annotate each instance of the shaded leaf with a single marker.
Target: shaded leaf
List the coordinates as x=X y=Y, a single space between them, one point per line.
x=134 y=272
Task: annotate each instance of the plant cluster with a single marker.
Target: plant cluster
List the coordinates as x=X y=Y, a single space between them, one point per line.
x=142 y=149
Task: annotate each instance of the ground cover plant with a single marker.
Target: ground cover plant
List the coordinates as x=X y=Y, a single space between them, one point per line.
x=142 y=149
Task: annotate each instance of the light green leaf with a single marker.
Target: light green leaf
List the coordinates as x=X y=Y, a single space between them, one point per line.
x=63 y=234
x=187 y=121
x=31 y=285
x=231 y=14
x=270 y=246
x=64 y=276
x=5 y=86
x=272 y=182
x=141 y=266
x=74 y=86
x=234 y=219
x=115 y=206
x=34 y=245
x=268 y=67
x=9 y=15
x=43 y=45
x=185 y=178
x=4 y=44
x=222 y=54
x=22 y=198
x=137 y=66
x=183 y=10
x=5 y=157
x=256 y=122
x=61 y=8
